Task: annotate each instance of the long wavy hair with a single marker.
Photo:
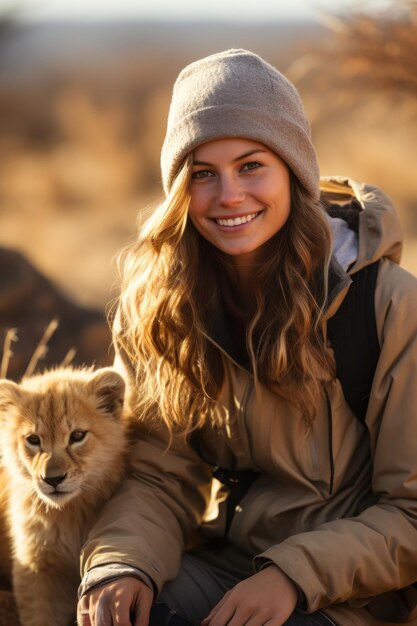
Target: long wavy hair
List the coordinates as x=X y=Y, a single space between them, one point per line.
x=170 y=294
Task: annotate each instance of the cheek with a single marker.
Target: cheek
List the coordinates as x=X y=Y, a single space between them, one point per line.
x=281 y=196
x=197 y=220
x=27 y=460
x=286 y=208
x=85 y=454
x=202 y=227
x=199 y=203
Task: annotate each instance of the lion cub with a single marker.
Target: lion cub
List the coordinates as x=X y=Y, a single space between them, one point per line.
x=63 y=453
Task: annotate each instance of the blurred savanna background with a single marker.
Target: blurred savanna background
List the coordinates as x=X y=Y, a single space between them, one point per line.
x=83 y=104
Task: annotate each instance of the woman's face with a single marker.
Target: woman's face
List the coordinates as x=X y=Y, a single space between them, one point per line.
x=240 y=196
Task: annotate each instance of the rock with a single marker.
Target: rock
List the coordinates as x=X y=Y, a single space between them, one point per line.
x=29 y=302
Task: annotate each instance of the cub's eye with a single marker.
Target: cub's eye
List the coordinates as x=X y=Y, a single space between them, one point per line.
x=77 y=435
x=33 y=440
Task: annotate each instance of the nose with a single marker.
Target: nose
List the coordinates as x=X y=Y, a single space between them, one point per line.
x=54 y=481
x=231 y=192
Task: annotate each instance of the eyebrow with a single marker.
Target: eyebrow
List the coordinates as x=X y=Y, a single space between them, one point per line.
x=239 y=158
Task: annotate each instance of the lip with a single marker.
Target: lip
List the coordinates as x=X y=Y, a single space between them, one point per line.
x=56 y=495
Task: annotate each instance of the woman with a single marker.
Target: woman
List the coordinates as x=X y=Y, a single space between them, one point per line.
x=222 y=335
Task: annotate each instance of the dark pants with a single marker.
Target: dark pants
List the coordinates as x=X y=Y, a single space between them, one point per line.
x=205 y=576
x=162 y=615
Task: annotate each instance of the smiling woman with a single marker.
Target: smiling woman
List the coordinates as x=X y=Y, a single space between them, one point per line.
x=222 y=333
x=240 y=197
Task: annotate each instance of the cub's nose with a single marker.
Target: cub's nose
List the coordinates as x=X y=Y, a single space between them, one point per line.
x=54 y=481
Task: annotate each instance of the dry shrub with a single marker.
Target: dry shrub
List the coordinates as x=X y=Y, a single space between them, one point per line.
x=379 y=50
x=360 y=89
x=367 y=50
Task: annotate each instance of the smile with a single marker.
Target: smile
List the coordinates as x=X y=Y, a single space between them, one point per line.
x=237 y=221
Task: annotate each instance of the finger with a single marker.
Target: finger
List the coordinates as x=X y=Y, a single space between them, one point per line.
x=92 y=613
x=83 y=617
x=222 y=617
x=241 y=621
x=244 y=618
x=103 y=617
x=259 y=620
x=142 y=610
x=215 y=609
x=120 y=613
x=210 y=616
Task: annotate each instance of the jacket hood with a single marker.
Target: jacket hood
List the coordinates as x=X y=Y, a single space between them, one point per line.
x=370 y=213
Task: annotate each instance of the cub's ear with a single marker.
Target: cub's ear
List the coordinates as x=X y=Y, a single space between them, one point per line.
x=10 y=396
x=108 y=388
x=10 y=392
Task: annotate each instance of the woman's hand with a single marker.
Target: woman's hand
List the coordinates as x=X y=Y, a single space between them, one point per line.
x=268 y=597
x=122 y=602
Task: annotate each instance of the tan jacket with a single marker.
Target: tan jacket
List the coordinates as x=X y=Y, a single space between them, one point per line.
x=342 y=549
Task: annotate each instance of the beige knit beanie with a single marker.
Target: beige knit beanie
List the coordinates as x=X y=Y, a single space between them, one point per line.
x=237 y=94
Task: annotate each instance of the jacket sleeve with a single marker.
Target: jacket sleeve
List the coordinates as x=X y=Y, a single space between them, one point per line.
x=376 y=551
x=149 y=520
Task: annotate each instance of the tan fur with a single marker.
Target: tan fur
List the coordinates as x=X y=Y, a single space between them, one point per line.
x=40 y=421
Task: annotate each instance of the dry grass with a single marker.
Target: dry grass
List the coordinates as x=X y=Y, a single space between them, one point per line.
x=38 y=353
x=11 y=335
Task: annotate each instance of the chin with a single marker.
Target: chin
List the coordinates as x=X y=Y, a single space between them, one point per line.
x=57 y=500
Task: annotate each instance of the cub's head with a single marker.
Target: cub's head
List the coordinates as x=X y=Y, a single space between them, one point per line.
x=61 y=434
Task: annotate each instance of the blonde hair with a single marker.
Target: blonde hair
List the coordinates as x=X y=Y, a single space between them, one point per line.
x=170 y=293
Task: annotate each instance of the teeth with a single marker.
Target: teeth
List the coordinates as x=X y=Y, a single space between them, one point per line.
x=237 y=220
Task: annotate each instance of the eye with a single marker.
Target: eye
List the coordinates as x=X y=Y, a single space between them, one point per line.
x=33 y=440
x=76 y=436
x=201 y=174
x=252 y=165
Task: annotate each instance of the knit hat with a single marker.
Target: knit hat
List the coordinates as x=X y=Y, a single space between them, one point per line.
x=237 y=94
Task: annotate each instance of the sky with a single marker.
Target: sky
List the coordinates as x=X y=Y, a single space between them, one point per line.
x=247 y=10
